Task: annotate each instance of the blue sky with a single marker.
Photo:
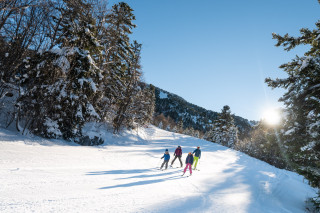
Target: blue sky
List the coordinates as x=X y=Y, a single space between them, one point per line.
x=218 y=52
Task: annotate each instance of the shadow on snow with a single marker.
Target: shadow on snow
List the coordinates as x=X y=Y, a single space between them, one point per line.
x=137 y=171
x=144 y=182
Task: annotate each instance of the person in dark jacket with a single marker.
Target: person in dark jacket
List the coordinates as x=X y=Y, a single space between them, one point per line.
x=177 y=154
x=166 y=158
x=189 y=162
x=197 y=156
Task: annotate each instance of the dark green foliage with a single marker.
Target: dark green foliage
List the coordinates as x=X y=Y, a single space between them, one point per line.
x=130 y=89
x=301 y=129
x=119 y=53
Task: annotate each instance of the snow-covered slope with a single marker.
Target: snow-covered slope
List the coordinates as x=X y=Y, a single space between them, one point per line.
x=38 y=175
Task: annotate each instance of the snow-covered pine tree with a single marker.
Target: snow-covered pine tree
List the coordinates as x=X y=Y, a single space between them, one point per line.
x=207 y=134
x=125 y=116
x=142 y=107
x=224 y=131
x=37 y=105
x=174 y=129
x=187 y=131
x=64 y=87
x=149 y=104
x=191 y=131
x=196 y=134
x=160 y=125
x=79 y=43
x=120 y=70
x=180 y=126
x=263 y=144
x=302 y=99
x=233 y=136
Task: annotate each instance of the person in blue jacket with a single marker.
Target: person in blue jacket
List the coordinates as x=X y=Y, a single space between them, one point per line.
x=166 y=159
x=197 y=156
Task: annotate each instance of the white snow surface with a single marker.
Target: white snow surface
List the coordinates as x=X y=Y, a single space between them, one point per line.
x=38 y=175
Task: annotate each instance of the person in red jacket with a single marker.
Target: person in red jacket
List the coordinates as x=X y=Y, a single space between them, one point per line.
x=177 y=154
x=189 y=162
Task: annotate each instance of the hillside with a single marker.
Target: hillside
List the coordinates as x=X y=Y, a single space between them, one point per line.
x=192 y=115
x=38 y=175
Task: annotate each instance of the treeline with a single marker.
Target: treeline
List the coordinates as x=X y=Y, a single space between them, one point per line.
x=64 y=63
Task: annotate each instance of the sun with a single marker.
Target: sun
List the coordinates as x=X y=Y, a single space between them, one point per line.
x=272 y=116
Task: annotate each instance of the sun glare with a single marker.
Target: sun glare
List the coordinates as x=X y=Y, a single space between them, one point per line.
x=272 y=116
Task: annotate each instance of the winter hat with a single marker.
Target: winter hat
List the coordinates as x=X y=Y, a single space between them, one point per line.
x=179 y=146
x=167 y=150
x=190 y=153
x=198 y=147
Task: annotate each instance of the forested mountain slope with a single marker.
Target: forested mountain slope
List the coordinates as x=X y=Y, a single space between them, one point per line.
x=191 y=115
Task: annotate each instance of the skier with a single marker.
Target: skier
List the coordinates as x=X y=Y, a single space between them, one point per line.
x=197 y=156
x=177 y=154
x=189 y=162
x=166 y=159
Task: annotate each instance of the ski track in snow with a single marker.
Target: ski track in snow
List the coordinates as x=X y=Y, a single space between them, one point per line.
x=38 y=175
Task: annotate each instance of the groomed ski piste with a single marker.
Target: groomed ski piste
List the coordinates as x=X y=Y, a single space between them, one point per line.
x=122 y=175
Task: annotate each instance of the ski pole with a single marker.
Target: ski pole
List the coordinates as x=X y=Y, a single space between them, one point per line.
x=158 y=164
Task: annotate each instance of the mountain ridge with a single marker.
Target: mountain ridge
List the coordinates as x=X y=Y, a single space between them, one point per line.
x=192 y=115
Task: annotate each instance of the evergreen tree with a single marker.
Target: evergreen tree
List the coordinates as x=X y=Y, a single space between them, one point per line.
x=149 y=104
x=63 y=88
x=174 y=129
x=130 y=91
x=142 y=107
x=302 y=99
x=160 y=125
x=180 y=126
x=263 y=144
x=196 y=134
x=224 y=131
x=208 y=135
x=120 y=70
